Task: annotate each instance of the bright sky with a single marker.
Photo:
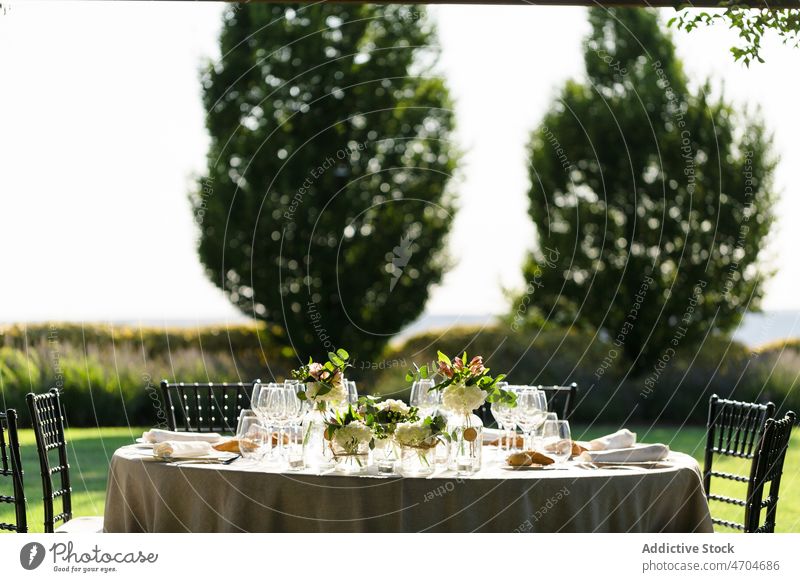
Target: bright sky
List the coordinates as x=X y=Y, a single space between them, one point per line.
x=101 y=131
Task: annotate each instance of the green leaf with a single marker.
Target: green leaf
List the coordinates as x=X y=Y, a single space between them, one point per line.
x=342 y=353
x=444 y=358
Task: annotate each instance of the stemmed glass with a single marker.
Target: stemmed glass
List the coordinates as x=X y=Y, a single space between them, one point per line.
x=424 y=397
x=557 y=439
x=530 y=411
x=352 y=392
x=503 y=413
x=295 y=409
x=267 y=407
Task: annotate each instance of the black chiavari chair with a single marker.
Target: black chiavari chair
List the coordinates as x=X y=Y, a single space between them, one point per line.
x=767 y=468
x=11 y=466
x=734 y=429
x=205 y=407
x=561 y=399
x=47 y=416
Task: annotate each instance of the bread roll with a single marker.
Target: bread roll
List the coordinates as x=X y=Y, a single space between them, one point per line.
x=539 y=459
x=228 y=446
x=519 y=460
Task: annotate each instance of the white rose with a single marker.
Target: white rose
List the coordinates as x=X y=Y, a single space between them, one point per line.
x=463 y=399
x=350 y=436
x=394 y=406
x=414 y=434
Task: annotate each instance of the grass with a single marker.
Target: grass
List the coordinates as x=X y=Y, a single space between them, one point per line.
x=91 y=449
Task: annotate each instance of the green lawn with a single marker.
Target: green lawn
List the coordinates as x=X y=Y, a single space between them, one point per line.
x=91 y=449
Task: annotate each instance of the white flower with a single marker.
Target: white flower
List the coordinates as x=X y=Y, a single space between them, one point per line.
x=463 y=399
x=350 y=436
x=337 y=395
x=394 y=406
x=414 y=434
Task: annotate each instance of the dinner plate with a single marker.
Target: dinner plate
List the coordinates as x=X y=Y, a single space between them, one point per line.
x=533 y=467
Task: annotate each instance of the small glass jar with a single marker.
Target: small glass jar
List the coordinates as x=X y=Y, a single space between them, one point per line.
x=417 y=461
x=352 y=459
x=385 y=455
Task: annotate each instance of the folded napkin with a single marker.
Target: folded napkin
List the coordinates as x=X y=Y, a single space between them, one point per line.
x=182 y=449
x=158 y=435
x=616 y=440
x=636 y=454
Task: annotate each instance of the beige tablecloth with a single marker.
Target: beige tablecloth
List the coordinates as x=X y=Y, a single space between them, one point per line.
x=147 y=496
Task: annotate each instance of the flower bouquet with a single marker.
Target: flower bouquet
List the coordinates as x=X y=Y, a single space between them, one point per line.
x=383 y=417
x=465 y=387
x=350 y=440
x=323 y=387
x=324 y=383
x=417 y=441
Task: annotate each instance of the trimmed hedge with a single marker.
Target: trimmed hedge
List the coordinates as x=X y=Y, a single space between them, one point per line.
x=677 y=392
x=110 y=374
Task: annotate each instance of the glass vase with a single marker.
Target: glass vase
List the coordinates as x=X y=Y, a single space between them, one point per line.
x=417 y=461
x=385 y=455
x=317 y=454
x=466 y=446
x=352 y=459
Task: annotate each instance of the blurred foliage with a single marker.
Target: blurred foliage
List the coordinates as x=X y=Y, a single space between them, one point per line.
x=751 y=24
x=114 y=382
x=110 y=374
x=562 y=356
x=324 y=207
x=652 y=201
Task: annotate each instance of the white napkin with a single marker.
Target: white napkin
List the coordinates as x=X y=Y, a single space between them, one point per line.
x=158 y=435
x=621 y=439
x=637 y=454
x=182 y=449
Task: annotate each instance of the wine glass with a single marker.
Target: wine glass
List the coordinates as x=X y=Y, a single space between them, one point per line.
x=557 y=439
x=503 y=413
x=530 y=411
x=424 y=397
x=352 y=392
x=253 y=438
x=259 y=399
x=295 y=409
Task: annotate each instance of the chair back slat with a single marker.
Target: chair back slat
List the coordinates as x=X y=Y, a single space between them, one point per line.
x=12 y=468
x=211 y=407
x=47 y=416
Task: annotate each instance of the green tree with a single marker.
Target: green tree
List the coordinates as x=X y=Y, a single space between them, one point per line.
x=652 y=201
x=752 y=25
x=324 y=208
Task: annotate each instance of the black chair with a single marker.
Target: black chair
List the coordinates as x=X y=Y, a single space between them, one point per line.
x=205 y=407
x=47 y=416
x=768 y=468
x=561 y=399
x=735 y=429
x=12 y=467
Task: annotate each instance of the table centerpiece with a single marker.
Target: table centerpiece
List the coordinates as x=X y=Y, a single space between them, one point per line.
x=323 y=387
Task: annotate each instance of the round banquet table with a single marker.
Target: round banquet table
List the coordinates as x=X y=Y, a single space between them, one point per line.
x=149 y=496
